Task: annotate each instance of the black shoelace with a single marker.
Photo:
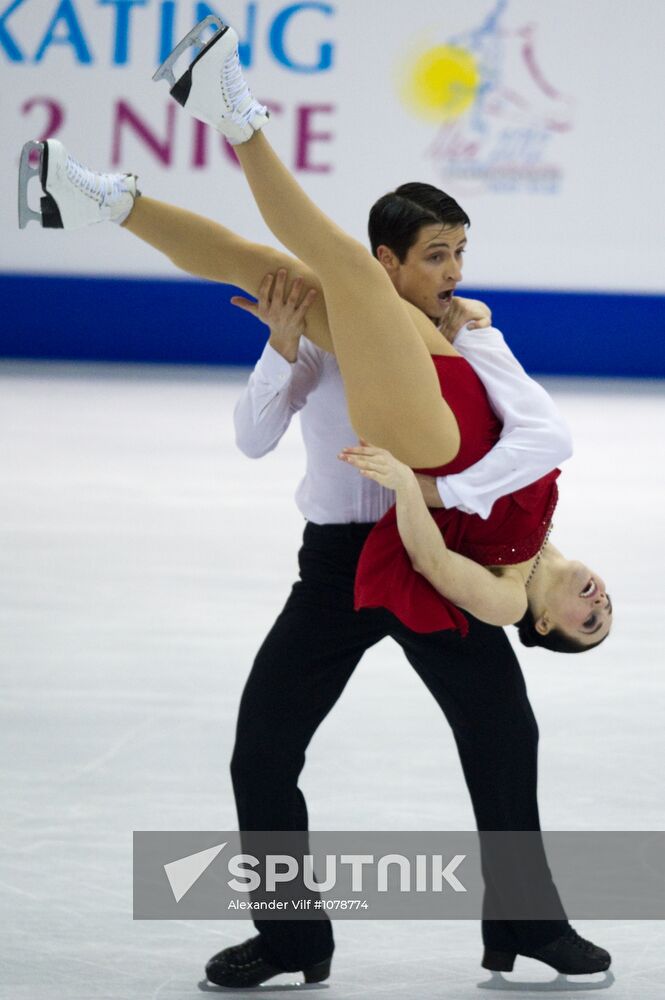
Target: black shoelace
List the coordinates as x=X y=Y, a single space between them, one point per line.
x=247 y=953
x=580 y=942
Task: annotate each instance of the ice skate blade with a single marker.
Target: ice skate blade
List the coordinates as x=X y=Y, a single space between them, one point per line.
x=268 y=987
x=25 y=172
x=193 y=37
x=562 y=984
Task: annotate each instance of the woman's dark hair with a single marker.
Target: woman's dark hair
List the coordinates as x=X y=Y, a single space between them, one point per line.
x=555 y=640
x=397 y=218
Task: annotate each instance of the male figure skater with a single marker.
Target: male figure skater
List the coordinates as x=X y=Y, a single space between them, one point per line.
x=317 y=640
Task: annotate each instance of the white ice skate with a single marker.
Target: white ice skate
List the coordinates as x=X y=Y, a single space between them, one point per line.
x=74 y=196
x=213 y=89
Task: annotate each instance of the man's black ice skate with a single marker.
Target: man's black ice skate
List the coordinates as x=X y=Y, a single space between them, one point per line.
x=243 y=966
x=569 y=954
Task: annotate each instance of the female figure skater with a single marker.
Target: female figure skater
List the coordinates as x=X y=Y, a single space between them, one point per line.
x=396 y=396
x=384 y=345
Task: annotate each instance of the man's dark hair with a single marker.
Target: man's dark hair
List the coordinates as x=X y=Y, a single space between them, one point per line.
x=555 y=640
x=397 y=218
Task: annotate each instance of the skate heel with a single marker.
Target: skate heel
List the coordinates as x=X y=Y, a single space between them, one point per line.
x=51 y=218
x=181 y=89
x=498 y=961
x=317 y=973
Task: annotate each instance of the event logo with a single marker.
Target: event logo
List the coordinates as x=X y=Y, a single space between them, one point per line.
x=499 y=117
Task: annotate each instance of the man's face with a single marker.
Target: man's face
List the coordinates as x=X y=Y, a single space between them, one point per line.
x=431 y=270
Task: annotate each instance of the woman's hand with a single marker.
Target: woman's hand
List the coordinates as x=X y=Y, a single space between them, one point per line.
x=465 y=312
x=285 y=314
x=379 y=465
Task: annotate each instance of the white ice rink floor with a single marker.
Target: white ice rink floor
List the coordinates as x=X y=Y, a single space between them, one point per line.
x=142 y=560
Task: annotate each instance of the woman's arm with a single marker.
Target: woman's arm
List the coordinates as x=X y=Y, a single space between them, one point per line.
x=497 y=600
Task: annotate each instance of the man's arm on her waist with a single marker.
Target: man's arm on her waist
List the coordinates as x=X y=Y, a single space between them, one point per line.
x=534 y=440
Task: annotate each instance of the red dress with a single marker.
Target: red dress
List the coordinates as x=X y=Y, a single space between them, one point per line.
x=513 y=533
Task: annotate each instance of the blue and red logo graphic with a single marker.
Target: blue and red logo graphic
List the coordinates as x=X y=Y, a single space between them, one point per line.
x=498 y=115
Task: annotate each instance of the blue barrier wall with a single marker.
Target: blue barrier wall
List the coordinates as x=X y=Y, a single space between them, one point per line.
x=191 y=322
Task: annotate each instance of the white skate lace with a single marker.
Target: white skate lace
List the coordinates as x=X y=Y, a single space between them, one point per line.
x=237 y=91
x=104 y=188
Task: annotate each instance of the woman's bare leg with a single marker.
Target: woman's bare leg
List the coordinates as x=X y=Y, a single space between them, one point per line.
x=204 y=248
x=392 y=389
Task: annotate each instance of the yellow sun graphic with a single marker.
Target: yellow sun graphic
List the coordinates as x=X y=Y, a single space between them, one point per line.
x=442 y=83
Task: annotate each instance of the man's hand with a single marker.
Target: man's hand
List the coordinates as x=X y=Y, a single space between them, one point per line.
x=285 y=314
x=379 y=465
x=462 y=312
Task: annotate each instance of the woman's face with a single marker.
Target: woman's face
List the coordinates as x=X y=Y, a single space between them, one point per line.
x=578 y=604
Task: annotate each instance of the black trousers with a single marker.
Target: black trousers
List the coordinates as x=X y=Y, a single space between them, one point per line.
x=302 y=669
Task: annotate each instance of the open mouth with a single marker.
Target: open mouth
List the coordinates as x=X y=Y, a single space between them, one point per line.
x=445 y=297
x=590 y=589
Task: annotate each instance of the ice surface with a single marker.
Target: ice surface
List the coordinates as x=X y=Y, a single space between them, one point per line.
x=142 y=560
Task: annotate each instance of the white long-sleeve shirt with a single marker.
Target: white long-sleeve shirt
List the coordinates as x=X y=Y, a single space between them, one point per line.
x=534 y=439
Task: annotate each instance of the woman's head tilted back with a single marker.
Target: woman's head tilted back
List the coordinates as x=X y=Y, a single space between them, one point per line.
x=554 y=640
x=569 y=608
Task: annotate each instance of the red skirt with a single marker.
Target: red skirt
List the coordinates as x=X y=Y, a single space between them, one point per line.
x=514 y=532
